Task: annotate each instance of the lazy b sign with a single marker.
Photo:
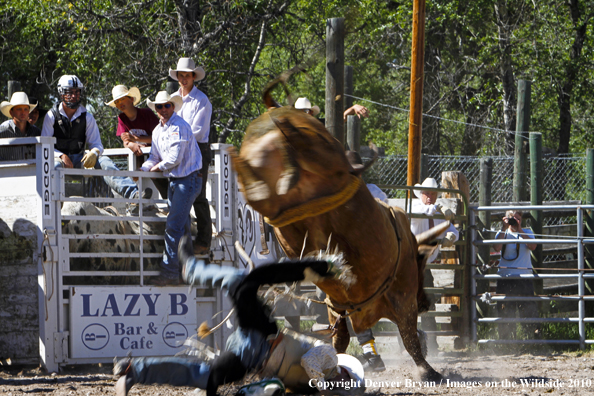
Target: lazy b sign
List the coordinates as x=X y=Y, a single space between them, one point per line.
x=147 y=321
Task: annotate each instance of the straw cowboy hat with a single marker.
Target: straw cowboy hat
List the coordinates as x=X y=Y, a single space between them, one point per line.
x=163 y=97
x=187 y=65
x=429 y=182
x=305 y=104
x=120 y=91
x=17 y=99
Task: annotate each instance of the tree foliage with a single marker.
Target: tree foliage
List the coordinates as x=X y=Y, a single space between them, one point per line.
x=475 y=52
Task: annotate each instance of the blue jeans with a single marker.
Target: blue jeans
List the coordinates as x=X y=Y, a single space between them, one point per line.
x=175 y=370
x=182 y=193
x=121 y=185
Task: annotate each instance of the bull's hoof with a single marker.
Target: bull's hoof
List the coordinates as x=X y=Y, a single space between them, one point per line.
x=373 y=363
x=430 y=375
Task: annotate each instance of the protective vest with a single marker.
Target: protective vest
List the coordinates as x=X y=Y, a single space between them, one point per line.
x=70 y=136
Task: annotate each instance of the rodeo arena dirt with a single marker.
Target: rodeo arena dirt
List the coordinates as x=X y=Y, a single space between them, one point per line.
x=291 y=213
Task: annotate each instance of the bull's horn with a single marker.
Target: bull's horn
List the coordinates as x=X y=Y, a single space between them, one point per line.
x=282 y=79
x=426 y=237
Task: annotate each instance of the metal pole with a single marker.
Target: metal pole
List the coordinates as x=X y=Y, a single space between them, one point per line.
x=335 y=78
x=522 y=127
x=415 y=122
x=581 y=284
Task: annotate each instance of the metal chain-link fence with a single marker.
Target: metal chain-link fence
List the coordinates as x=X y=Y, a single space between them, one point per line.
x=564 y=177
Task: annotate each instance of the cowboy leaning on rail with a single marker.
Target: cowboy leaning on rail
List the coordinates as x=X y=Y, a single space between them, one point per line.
x=304 y=364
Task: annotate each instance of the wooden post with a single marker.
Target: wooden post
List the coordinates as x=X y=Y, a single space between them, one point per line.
x=354 y=133
x=520 y=152
x=335 y=78
x=13 y=86
x=348 y=87
x=172 y=86
x=536 y=166
x=485 y=182
x=415 y=122
x=424 y=167
x=589 y=219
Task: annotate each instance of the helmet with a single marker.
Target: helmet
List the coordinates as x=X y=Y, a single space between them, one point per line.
x=68 y=84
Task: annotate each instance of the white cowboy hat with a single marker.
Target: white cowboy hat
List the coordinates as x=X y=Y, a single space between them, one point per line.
x=428 y=182
x=187 y=65
x=120 y=91
x=17 y=99
x=163 y=97
x=305 y=104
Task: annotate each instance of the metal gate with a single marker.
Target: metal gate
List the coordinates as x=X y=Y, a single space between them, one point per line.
x=82 y=322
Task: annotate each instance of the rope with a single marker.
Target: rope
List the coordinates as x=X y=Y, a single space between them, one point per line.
x=46 y=299
x=316 y=206
x=222 y=235
x=445 y=119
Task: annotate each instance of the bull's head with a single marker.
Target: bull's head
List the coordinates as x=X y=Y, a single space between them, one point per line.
x=288 y=158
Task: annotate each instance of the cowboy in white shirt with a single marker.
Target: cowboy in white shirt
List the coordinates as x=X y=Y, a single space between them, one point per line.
x=426 y=204
x=196 y=110
x=174 y=152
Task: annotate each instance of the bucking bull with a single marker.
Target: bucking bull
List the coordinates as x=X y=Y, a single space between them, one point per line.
x=296 y=174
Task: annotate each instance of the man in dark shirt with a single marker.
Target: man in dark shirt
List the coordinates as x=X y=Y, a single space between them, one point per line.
x=17 y=126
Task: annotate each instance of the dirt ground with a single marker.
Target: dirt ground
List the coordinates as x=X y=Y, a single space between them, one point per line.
x=466 y=373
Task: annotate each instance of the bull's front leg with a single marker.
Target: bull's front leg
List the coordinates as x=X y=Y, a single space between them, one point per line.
x=341 y=339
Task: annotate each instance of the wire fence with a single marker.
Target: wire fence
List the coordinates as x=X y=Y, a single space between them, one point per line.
x=564 y=177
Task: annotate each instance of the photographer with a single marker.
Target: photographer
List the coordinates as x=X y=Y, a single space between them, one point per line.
x=515 y=260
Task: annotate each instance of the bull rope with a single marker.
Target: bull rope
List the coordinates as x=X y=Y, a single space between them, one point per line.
x=317 y=206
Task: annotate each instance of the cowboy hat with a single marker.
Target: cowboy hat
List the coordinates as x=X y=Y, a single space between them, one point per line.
x=120 y=91
x=17 y=99
x=163 y=97
x=305 y=104
x=428 y=182
x=187 y=65
x=33 y=100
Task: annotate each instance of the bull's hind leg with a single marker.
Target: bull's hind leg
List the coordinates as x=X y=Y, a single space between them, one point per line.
x=341 y=339
x=407 y=324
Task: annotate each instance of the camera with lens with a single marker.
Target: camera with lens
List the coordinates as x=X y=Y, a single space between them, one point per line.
x=512 y=221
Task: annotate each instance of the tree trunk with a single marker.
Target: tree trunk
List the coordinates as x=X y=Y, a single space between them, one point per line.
x=504 y=29
x=188 y=16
